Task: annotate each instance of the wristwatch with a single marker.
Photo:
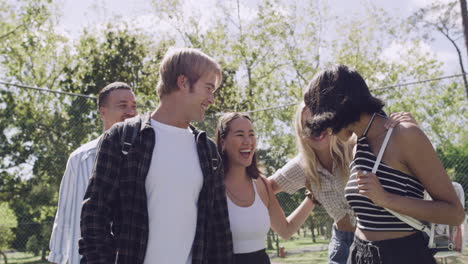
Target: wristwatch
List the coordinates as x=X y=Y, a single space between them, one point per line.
x=311 y=196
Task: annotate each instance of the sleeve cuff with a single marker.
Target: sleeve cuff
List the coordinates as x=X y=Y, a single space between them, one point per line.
x=284 y=183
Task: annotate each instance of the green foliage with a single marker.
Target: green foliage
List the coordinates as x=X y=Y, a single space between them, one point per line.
x=33 y=245
x=455 y=160
x=40 y=130
x=8 y=223
x=444 y=18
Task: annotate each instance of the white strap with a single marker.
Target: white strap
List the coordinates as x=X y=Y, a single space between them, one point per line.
x=382 y=150
x=416 y=224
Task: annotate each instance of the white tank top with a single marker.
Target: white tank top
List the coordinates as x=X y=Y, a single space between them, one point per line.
x=249 y=225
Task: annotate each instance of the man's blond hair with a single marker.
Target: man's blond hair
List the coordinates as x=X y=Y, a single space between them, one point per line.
x=188 y=62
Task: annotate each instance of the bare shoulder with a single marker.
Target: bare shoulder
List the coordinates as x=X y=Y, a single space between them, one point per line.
x=264 y=183
x=411 y=140
x=264 y=189
x=409 y=133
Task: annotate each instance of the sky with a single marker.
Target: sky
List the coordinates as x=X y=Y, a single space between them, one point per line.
x=77 y=15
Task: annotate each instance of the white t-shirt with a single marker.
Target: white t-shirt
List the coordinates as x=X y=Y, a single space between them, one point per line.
x=173 y=184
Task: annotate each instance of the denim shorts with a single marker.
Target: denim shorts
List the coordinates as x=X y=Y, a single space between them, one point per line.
x=338 y=249
x=411 y=249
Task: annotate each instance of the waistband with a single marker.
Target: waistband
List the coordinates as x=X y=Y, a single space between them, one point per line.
x=416 y=237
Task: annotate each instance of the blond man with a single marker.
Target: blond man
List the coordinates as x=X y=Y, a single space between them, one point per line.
x=164 y=201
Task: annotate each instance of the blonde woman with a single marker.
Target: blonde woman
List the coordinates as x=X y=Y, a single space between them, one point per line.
x=322 y=167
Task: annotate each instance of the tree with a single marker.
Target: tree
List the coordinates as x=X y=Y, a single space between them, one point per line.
x=454 y=158
x=40 y=132
x=444 y=18
x=9 y=222
x=270 y=56
x=464 y=15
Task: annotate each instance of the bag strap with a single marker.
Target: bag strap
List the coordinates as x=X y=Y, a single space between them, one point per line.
x=130 y=130
x=416 y=224
x=382 y=150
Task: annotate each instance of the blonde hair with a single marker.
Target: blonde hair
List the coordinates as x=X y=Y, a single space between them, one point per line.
x=189 y=62
x=341 y=152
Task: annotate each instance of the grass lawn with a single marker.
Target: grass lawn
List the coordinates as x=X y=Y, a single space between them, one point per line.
x=23 y=258
x=319 y=257
x=297 y=242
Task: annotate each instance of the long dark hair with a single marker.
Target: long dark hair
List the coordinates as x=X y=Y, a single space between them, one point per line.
x=222 y=130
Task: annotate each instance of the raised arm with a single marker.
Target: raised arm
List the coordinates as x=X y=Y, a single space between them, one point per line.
x=97 y=244
x=286 y=226
x=290 y=178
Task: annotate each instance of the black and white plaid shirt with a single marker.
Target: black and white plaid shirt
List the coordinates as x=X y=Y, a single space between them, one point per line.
x=114 y=218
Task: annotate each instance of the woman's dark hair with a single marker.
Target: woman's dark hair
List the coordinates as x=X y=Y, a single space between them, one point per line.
x=337 y=97
x=222 y=130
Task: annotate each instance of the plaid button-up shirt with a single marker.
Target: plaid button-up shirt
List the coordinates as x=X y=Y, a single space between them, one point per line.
x=114 y=219
x=330 y=193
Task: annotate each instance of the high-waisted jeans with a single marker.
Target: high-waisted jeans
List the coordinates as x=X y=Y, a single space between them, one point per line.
x=338 y=249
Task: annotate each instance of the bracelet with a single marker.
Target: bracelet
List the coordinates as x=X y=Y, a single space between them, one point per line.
x=311 y=196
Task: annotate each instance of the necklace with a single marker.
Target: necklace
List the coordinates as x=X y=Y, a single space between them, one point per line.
x=234 y=196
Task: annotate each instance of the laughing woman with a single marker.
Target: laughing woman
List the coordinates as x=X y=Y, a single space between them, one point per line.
x=252 y=205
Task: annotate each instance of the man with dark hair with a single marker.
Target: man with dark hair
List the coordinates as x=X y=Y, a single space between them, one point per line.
x=116 y=102
x=162 y=200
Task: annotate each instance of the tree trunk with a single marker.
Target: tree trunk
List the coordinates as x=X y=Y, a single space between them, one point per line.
x=312 y=231
x=464 y=14
x=269 y=240
x=4 y=257
x=277 y=245
x=43 y=255
x=460 y=60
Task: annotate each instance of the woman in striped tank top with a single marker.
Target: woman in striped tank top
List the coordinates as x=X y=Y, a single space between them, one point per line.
x=341 y=102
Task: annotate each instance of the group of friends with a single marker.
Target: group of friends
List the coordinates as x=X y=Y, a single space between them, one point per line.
x=171 y=195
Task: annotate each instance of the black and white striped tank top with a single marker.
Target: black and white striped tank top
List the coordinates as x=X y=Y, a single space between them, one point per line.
x=368 y=215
